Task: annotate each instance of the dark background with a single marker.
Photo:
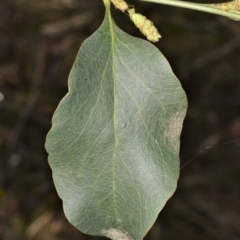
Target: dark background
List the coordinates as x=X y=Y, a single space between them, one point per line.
x=39 y=41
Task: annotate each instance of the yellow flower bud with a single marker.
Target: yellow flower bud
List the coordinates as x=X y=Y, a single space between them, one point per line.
x=233 y=6
x=145 y=26
x=120 y=4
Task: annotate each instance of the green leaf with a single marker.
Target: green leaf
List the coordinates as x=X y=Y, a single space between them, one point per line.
x=114 y=144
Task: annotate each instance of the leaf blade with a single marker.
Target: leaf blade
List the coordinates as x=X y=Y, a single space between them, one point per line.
x=114 y=144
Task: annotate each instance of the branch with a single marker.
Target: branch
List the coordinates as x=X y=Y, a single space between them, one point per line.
x=209 y=8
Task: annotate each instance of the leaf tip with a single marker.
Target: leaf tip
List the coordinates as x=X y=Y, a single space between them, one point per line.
x=115 y=234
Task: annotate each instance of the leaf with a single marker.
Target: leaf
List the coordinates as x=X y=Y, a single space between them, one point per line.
x=114 y=144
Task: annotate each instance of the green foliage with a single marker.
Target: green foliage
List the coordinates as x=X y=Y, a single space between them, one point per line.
x=114 y=144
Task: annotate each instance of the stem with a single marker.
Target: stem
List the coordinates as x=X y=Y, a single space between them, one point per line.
x=209 y=8
x=106 y=3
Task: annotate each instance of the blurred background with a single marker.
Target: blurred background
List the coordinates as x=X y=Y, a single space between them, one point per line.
x=39 y=41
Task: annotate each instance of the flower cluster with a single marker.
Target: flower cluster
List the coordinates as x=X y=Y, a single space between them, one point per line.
x=229 y=6
x=145 y=26
x=120 y=4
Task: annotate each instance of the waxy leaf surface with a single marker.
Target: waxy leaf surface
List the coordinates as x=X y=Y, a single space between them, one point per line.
x=114 y=144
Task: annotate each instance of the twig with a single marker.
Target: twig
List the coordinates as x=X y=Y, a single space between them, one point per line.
x=60 y=27
x=212 y=56
x=209 y=8
x=31 y=101
x=38 y=224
